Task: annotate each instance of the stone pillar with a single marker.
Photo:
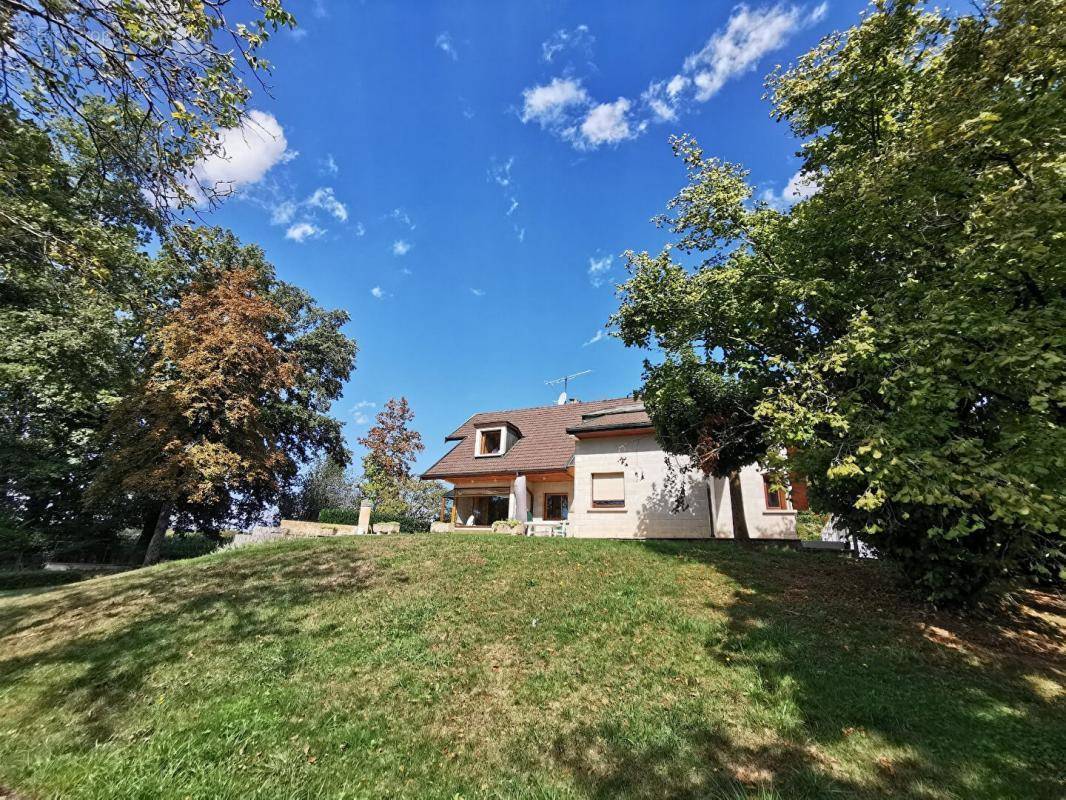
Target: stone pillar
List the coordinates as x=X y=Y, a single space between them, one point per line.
x=521 y=503
x=364 y=517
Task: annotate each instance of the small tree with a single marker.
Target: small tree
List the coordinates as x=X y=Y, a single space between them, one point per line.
x=327 y=484
x=422 y=499
x=195 y=429
x=391 y=450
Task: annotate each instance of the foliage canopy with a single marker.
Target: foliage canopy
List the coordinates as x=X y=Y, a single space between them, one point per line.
x=905 y=324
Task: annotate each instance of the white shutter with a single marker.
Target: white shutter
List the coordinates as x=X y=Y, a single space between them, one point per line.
x=608 y=489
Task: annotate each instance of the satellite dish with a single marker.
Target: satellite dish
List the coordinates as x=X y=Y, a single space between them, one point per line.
x=562 y=399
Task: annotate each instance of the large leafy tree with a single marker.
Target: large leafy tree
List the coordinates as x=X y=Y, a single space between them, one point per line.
x=195 y=432
x=906 y=323
x=172 y=73
x=235 y=397
x=76 y=294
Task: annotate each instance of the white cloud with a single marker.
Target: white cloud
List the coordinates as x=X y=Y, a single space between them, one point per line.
x=378 y=292
x=444 y=44
x=548 y=104
x=477 y=292
x=564 y=108
x=283 y=212
x=748 y=36
x=663 y=105
x=329 y=165
x=324 y=198
x=360 y=229
x=513 y=207
x=501 y=173
x=607 y=123
x=799 y=187
x=402 y=217
x=598 y=269
x=676 y=85
x=578 y=39
x=246 y=154
x=401 y=247
x=361 y=411
x=520 y=233
x=303 y=231
x=599 y=336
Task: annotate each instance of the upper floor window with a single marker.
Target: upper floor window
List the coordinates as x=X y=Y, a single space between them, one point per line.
x=489 y=442
x=776 y=499
x=608 y=490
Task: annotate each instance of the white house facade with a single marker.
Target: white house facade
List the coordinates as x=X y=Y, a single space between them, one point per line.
x=598 y=468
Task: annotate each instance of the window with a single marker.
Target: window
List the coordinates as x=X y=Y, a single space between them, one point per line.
x=490 y=442
x=608 y=490
x=799 y=493
x=775 y=498
x=481 y=510
x=556 y=506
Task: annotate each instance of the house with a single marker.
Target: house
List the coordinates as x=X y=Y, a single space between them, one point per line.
x=598 y=466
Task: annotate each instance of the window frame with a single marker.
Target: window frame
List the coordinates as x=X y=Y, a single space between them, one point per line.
x=479 y=439
x=606 y=505
x=566 y=501
x=781 y=494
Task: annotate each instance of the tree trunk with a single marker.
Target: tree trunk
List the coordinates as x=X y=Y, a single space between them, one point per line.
x=155 y=544
x=736 y=506
x=151 y=517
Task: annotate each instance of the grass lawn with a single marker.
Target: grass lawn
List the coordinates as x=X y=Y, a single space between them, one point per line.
x=499 y=667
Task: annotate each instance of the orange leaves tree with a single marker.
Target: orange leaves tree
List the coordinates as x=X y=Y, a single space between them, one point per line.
x=391 y=449
x=234 y=397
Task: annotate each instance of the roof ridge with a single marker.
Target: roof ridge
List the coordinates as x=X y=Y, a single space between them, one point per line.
x=635 y=406
x=548 y=405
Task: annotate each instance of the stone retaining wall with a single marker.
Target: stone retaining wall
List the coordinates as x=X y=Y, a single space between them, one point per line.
x=305 y=529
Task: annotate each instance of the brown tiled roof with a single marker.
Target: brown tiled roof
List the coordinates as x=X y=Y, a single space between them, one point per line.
x=632 y=415
x=545 y=445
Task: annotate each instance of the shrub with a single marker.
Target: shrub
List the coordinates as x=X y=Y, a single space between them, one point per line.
x=18 y=546
x=36 y=578
x=339 y=516
x=809 y=525
x=190 y=545
x=408 y=524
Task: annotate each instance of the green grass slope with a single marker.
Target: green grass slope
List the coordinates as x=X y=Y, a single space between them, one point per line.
x=498 y=667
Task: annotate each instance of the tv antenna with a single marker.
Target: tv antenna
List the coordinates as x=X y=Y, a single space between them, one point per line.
x=565 y=381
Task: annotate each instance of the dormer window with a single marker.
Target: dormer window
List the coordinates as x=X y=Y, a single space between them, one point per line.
x=495 y=439
x=489 y=442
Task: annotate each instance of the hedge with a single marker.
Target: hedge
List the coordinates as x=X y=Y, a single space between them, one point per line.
x=350 y=516
x=36 y=578
x=339 y=516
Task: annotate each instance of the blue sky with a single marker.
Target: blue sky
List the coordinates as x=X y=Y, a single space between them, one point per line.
x=463 y=177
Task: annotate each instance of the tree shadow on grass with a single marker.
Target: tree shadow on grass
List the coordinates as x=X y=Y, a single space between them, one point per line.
x=108 y=639
x=707 y=764
x=925 y=705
